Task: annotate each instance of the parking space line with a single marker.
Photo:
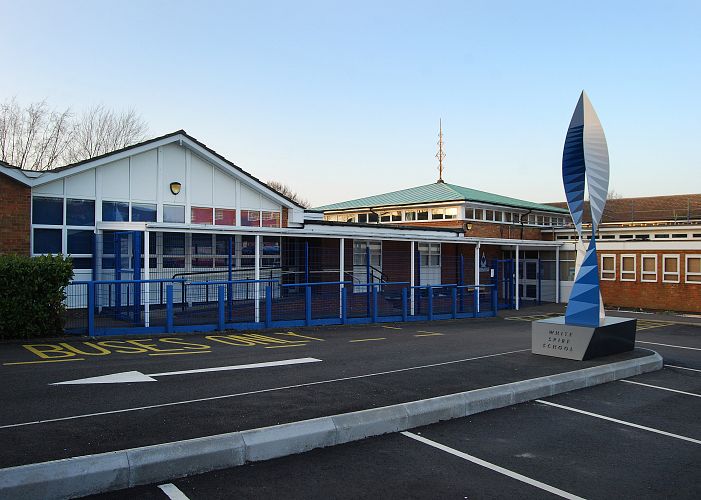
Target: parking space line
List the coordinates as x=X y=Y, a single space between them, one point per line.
x=669 y=345
x=662 y=388
x=172 y=492
x=491 y=466
x=368 y=340
x=427 y=334
x=622 y=422
x=391 y=327
x=683 y=368
x=432 y=333
x=43 y=361
x=261 y=391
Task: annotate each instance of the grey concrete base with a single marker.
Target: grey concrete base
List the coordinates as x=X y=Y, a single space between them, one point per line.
x=79 y=476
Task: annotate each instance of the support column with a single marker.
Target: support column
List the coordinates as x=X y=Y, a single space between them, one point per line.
x=557 y=275
x=341 y=274
x=411 y=279
x=257 y=277
x=477 y=276
x=517 y=283
x=147 y=276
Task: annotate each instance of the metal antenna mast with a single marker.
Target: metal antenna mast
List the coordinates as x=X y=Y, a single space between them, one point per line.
x=441 y=154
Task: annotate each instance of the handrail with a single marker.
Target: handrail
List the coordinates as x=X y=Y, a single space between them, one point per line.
x=227 y=282
x=119 y=282
x=288 y=285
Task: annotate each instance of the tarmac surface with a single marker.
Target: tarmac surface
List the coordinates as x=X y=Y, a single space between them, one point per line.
x=361 y=367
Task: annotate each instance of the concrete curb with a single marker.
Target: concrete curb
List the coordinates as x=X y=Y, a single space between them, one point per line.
x=89 y=474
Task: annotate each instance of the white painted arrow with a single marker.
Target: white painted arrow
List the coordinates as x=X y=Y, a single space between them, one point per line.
x=134 y=376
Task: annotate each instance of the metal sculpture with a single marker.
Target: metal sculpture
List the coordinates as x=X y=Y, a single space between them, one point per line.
x=585 y=161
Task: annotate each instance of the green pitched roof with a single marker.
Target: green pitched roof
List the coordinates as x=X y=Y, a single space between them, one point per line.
x=435 y=193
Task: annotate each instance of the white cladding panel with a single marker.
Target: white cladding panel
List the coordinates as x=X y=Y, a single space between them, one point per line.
x=174 y=166
x=115 y=180
x=201 y=180
x=81 y=185
x=249 y=198
x=143 y=176
x=268 y=204
x=55 y=187
x=224 y=190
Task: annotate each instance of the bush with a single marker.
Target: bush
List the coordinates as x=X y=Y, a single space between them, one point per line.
x=32 y=294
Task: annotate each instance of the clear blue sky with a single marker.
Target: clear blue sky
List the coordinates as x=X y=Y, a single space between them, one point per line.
x=342 y=99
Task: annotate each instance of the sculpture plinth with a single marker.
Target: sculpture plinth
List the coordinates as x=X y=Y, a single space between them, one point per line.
x=584 y=332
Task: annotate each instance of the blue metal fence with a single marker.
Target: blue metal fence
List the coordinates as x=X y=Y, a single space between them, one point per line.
x=112 y=307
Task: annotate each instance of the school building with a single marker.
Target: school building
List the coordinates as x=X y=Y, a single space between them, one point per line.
x=168 y=235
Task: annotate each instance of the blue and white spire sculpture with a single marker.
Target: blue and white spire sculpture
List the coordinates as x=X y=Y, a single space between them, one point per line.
x=585 y=160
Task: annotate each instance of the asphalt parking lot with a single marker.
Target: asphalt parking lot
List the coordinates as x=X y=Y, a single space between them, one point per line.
x=635 y=438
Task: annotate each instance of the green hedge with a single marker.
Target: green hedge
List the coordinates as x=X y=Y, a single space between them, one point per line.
x=32 y=294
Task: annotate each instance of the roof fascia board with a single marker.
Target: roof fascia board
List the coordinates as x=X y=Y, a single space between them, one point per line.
x=222 y=165
x=52 y=176
x=16 y=174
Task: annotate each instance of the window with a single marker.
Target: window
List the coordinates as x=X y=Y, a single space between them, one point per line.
x=390 y=216
x=469 y=213
x=80 y=241
x=546 y=220
x=661 y=236
x=143 y=212
x=250 y=218
x=642 y=236
x=430 y=254
x=363 y=218
x=80 y=212
x=361 y=249
x=670 y=269
x=201 y=215
x=478 y=214
x=408 y=216
x=693 y=268
x=531 y=219
x=270 y=219
x=627 y=267
x=224 y=217
x=174 y=213
x=347 y=218
x=679 y=235
x=608 y=267
x=373 y=217
x=497 y=216
x=539 y=220
x=202 y=250
x=270 y=251
x=115 y=211
x=174 y=250
x=47 y=211
x=422 y=215
x=47 y=241
x=648 y=268
x=608 y=236
x=488 y=215
x=507 y=216
x=437 y=213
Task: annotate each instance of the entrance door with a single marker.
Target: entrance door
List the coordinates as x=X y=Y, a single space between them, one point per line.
x=528 y=279
x=367 y=263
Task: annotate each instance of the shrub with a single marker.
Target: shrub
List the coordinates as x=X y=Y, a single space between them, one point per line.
x=32 y=295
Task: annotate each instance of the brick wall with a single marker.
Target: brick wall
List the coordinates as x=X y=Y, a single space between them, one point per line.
x=488 y=229
x=661 y=296
x=285 y=217
x=15 y=210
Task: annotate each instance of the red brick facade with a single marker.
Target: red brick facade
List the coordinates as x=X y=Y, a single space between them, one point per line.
x=682 y=296
x=488 y=229
x=15 y=209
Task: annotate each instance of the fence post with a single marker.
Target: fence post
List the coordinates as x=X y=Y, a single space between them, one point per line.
x=344 y=305
x=230 y=277
x=475 y=302
x=220 y=304
x=91 y=308
x=268 y=306
x=454 y=304
x=495 y=306
x=307 y=305
x=405 y=311
x=169 y=308
x=429 y=306
x=374 y=305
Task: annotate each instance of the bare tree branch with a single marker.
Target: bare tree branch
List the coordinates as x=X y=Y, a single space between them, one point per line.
x=285 y=190
x=39 y=138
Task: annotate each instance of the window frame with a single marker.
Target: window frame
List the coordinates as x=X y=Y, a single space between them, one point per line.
x=612 y=256
x=669 y=256
x=643 y=257
x=628 y=273
x=686 y=269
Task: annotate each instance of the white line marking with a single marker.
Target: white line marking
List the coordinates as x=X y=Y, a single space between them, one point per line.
x=669 y=345
x=489 y=465
x=134 y=376
x=248 y=393
x=623 y=422
x=662 y=388
x=173 y=492
x=683 y=368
